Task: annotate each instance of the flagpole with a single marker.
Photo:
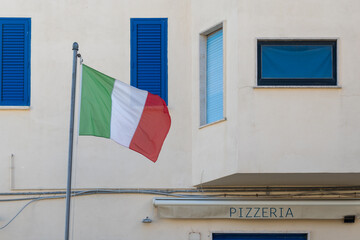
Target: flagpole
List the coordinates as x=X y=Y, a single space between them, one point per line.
x=75 y=49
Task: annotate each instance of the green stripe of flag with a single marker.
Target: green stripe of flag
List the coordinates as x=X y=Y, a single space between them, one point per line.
x=95 y=112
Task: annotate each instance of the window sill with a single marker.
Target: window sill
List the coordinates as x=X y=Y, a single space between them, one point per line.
x=298 y=87
x=14 y=107
x=213 y=123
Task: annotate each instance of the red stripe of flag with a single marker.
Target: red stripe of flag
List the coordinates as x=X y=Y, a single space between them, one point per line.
x=153 y=127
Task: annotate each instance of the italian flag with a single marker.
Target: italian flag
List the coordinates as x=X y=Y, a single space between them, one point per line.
x=131 y=117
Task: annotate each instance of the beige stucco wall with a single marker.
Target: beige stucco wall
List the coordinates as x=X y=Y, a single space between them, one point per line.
x=293 y=130
x=38 y=138
x=267 y=130
x=112 y=217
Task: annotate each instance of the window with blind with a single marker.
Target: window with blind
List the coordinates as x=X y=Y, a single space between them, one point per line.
x=149 y=55
x=297 y=62
x=211 y=76
x=15 y=61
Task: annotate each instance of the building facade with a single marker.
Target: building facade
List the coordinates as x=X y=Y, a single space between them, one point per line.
x=264 y=100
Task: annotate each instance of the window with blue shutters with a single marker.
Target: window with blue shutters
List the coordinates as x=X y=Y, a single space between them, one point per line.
x=149 y=55
x=211 y=76
x=260 y=236
x=297 y=62
x=15 y=61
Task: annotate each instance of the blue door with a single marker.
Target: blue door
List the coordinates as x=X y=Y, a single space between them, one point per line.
x=260 y=236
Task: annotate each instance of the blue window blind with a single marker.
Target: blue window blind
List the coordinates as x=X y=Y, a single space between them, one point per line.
x=296 y=62
x=214 y=77
x=15 y=61
x=260 y=236
x=149 y=55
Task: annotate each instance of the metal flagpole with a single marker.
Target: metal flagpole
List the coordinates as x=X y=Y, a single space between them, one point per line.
x=71 y=137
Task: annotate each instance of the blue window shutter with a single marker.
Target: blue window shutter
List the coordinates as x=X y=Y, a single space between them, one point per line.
x=15 y=61
x=214 y=77
x=149 y=55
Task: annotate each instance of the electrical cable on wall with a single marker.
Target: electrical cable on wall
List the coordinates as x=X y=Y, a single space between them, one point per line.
x=169 y=193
